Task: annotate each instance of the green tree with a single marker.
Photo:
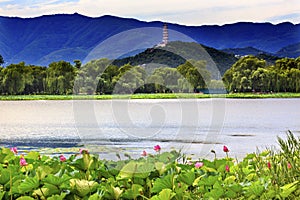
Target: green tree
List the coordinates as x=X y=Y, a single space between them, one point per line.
x=251 y=73
x=129 y=80
x=216 y=84
x=106 y=82
x=196 y=73
x=260 y=80
x=239 y=77
x=88 y=76
x=60 y=78
x=1 y=80
x=14 y=78
x=165 y=79
x=1 y=60
x=77 y=63
x=35 y=80
x=155 y=84
x=294 y=80
x=287 y=74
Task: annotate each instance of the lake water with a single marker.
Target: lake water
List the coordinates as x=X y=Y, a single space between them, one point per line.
x=195 y=126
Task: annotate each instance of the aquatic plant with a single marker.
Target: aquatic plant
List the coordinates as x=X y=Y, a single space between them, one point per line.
x=270 y=174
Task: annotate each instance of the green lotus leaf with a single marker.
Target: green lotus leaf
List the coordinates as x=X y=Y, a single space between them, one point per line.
x=30 y=184
x=43 y=171
x=208 y=181
x=215 y=193
x=25 y=198
x=160 y=167
x=46 y=191
x=57 y=197
x=33 y=155
x=4 y=176
x=165 y=194
x=132 y=193
x=287 y=189
x=55 y=180
x=83 y=187
x=163 y=183
x=95 y=196
x=136 y=169
x=2 y=194
x=255 y=189
x=187 y=177
x=6 y=155
x=229 y=180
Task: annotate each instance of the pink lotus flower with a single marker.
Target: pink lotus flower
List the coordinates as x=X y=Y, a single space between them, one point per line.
x=62 y=158
x=269 y=165
x=14 y=150
x=289 y=166
x=199 y=165
x=157 y=148
x=144 y=153
x=81 y=151
x=23 y=162
x=227 y=168
x=225 y=149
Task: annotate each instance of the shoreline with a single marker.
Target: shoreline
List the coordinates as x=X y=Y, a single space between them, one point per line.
x=149 y=96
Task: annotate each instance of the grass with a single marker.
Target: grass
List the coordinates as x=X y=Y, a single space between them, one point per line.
x=148 y=96
x=268 y=95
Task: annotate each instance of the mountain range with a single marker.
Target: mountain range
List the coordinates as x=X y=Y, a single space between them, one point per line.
x=42 y=40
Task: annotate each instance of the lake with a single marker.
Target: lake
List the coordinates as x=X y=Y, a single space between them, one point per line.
x=196 y=126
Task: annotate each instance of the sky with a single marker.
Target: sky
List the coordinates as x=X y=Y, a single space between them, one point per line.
x=188 y=12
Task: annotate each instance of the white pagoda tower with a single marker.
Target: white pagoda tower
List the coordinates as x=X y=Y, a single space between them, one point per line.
x=165 y=37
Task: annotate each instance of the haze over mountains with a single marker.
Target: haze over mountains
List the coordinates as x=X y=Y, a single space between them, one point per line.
x=46 y=39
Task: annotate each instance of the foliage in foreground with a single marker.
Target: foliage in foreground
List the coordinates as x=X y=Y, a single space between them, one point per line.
x=167 y=175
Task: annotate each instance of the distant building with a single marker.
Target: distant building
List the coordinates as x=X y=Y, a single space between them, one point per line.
x=165 y=37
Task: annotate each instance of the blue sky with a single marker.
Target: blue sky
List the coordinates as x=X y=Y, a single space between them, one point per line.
x=189 y=12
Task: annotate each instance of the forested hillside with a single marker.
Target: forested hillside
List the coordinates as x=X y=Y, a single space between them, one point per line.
x=177 y=52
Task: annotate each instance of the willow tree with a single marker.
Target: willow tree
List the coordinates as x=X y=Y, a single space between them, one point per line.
x=14 y=78
x=195 y=73
x=129 y=80
x=239 y=77
x=60 y=78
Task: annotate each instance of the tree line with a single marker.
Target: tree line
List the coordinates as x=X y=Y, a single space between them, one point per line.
x=19 y=78
x=251 y=74
x=102 y=76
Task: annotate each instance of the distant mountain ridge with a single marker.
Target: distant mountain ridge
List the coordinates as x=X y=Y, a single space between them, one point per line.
x=290 y=51
x=244 y=51
x=45 y=39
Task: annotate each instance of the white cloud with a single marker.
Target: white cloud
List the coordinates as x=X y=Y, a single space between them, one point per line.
x=191 y=12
